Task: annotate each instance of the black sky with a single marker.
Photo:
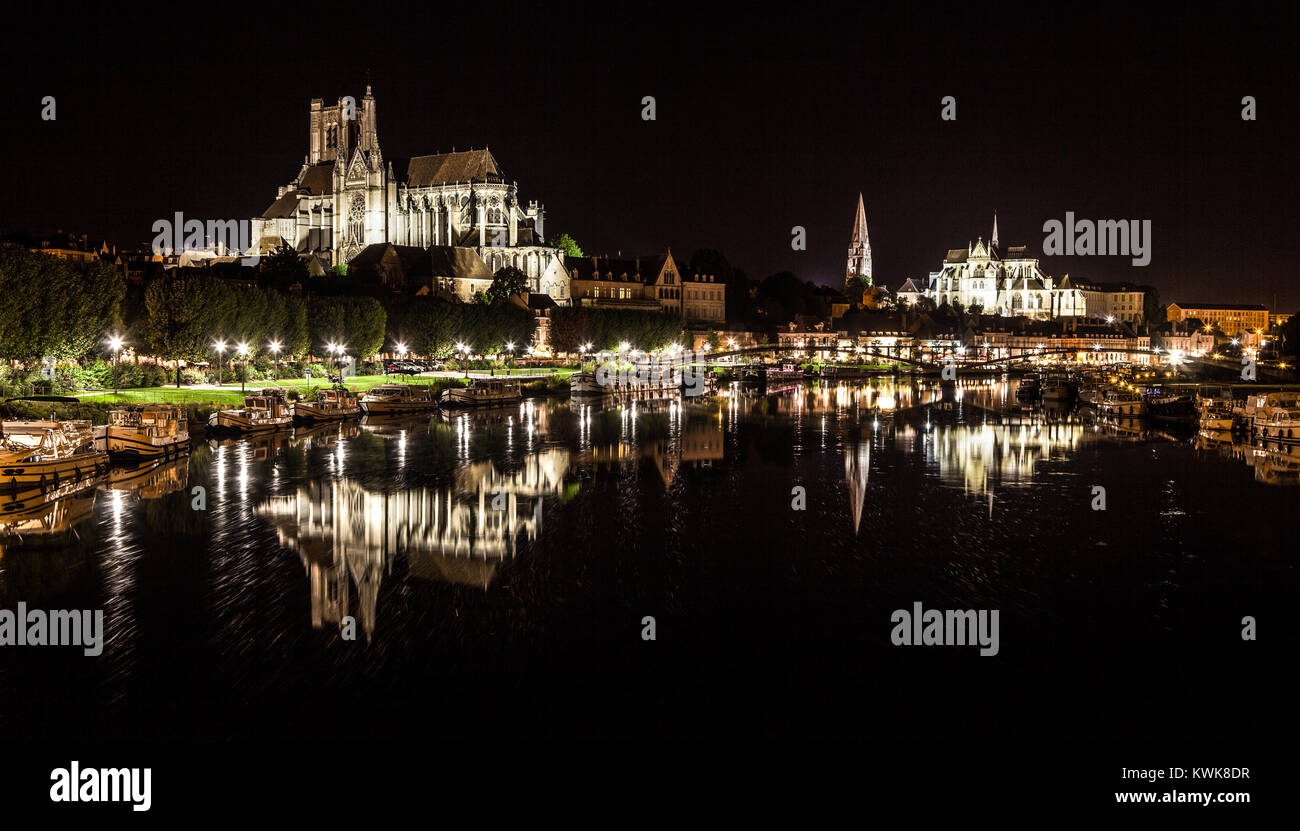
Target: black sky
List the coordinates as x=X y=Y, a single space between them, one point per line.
x=766 y=120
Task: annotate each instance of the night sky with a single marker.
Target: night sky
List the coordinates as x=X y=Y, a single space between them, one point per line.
x=766 y=120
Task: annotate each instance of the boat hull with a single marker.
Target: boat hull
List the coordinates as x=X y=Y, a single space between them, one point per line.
x=234 y=422
x=1182 y=408
x=1281 y=435
x=396 y=407
x=464 y=398
x=127 y=445
x=54 y=472
x=310 y=412
x=1124 y=409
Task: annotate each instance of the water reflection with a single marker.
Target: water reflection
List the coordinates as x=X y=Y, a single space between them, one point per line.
x=697 y=444
x=349 y=497
x=347 y=535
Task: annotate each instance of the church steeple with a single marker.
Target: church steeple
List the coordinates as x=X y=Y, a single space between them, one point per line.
x=994 y=241
x=859 y=248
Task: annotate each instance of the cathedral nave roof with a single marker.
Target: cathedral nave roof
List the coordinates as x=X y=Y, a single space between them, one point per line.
x=283 y=208
x=446 y=168
x=318 y=179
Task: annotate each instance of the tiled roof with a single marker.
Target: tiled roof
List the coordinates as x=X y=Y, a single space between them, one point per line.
x=452 y=261
x=622 y=269
x=283 y=208
x=445 y=168
x=318 y=179
x=1224 y=307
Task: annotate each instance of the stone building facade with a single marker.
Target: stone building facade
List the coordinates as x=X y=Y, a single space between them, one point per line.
x=348 y=195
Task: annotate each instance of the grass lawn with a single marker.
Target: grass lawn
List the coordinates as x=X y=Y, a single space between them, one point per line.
x=230 y=394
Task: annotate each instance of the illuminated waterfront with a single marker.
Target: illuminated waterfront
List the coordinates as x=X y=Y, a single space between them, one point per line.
x=502 y=561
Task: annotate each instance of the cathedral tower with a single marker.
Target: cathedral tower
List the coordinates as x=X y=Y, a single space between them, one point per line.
x=859 y=248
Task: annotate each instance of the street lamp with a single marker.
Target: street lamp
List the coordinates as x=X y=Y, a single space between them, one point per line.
x=275 y=358
x=340 y=355
x=242 y=349
x=115 y=346
x=463 y=349
x=220 y=347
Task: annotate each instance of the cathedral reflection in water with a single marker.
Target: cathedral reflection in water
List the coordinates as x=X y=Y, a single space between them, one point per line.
x=347 y=536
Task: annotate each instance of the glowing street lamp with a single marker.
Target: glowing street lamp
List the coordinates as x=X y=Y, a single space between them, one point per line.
x=242 y=350
x=220 y=347
x=463 y=349
x=115 y=344
x=274 y=346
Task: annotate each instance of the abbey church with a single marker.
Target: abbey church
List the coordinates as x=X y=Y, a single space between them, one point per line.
x=1003 y=281
x=457 y=208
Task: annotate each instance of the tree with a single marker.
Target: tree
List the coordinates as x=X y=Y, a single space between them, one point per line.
x=357 y=323
x=1151 y=309
x=282 y=268
x=573 y=326
x=1289 y=336
x=856 y=286
x=713 y=339
x=52 y=307
x=186 y=310
x=567 y=244
x=432 y=326
x=506 y=283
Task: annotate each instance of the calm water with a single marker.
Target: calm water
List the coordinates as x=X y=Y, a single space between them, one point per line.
x=498 y=566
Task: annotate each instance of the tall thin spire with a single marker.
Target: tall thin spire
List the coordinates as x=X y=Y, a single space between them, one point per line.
x=995 y=229
x=859 y=247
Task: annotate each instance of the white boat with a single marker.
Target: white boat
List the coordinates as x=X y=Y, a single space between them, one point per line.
x=482 y=392
x=330 y=405
x=1119 y=403
x=1214 y=407
x=1259 y=407
x=393 y=399
x=260 y=413
x=144 y=431
x=48 y=453
x=1283 y=426
x=584 y=383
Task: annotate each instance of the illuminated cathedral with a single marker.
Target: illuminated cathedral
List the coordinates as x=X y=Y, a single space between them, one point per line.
x=348 y=196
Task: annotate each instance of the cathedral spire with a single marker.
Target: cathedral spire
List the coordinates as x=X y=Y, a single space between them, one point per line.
x=859 y=248
x=995 y=229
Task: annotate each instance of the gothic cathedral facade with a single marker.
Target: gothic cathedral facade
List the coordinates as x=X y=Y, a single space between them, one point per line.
x=347 y=196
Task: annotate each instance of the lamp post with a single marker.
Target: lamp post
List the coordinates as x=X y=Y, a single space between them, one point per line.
x=242 y=349
x=220 y=347
x=274 y=346
x=115 y=346
x=463 y=350
x=400 y=348
x=340 y=357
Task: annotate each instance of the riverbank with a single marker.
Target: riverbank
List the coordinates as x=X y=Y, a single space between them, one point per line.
x=200 y=401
